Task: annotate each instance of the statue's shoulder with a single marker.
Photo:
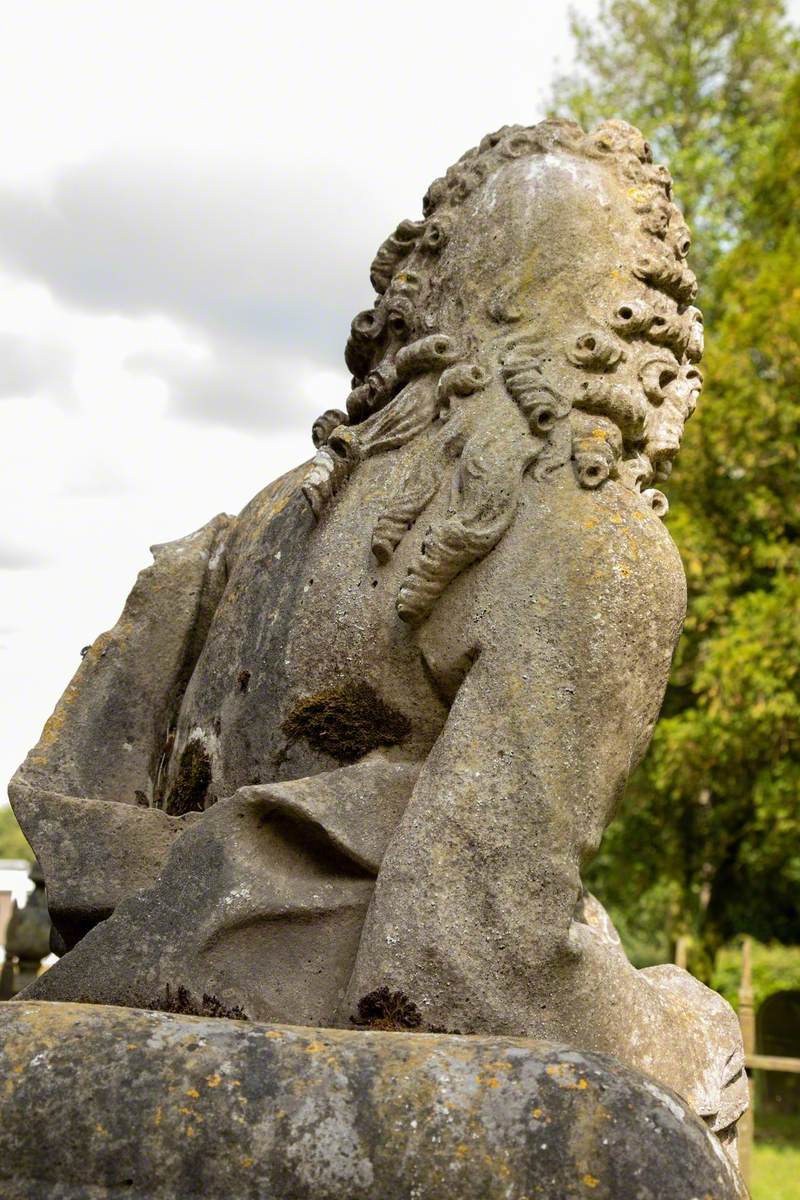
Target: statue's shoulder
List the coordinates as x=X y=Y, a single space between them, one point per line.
x=574 y=553
x=268 y=504
x=572 y=548
x=564 y=531
x=275 y=496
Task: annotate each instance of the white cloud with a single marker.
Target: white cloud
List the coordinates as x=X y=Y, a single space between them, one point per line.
x=257 y=256
x=190 y=195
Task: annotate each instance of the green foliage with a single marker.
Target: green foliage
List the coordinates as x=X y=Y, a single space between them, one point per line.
x=12 y=840
x=775 y=968
x=709 y=839
x=776 y=1155
x=703 y=79
x=725 y=762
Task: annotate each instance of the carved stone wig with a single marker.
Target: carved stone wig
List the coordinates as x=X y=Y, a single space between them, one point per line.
x=605 y=377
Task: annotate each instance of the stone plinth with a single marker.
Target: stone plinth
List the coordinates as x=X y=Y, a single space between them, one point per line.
x=105 y=1102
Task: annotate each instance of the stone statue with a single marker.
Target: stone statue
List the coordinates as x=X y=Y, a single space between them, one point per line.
x=344 y=756
x=27 y=939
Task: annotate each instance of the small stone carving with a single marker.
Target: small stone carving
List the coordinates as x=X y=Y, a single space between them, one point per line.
x=27 y=939
x=361 y=740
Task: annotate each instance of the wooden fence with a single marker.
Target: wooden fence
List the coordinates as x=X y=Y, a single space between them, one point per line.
x=753 y=1061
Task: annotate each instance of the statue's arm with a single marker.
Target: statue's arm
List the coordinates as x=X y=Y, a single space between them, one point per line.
x=476 y=893
x=106 y=733
x=482 y=874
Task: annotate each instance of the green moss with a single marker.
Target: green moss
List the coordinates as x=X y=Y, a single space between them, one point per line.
x=181 y=1001
x=188 y=793
x=346 y=722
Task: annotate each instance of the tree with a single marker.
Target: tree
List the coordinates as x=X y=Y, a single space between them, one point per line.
x=703 y=79
x=708 y=842
x=12 y=840
x=728 y=753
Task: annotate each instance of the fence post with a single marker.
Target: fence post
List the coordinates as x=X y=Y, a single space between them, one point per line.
x=682 y=951
x=747 y=1024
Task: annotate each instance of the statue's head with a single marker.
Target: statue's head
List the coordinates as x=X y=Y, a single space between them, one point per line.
x=542 y=304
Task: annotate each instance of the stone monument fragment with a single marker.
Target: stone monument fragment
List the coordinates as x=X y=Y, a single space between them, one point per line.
x=343 y=758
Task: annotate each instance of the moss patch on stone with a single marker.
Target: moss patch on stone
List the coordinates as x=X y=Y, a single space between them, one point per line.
x=346 y=722
x=383 y=1009
x=188 y=792
x=181 y=1001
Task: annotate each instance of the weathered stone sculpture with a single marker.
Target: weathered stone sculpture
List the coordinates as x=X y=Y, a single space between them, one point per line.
x=344 y=756
x=27 y=939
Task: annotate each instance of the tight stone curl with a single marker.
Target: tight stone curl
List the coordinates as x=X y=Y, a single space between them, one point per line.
x=409 y=374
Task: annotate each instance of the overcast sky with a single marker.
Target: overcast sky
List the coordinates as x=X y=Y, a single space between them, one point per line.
x=190 y=197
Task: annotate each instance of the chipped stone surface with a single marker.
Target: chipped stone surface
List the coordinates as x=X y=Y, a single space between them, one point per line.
x=156 y=1107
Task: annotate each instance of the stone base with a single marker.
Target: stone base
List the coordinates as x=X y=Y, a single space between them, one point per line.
x=100 y=1102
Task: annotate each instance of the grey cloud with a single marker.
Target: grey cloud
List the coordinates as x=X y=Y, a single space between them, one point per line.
x=20 y=558
x=27 y=367
x=268 y=271
x=238 y=386
x=281 y=260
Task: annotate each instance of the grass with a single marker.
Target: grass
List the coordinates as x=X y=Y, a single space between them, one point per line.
x=776 y=1157
x=776 y=1171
